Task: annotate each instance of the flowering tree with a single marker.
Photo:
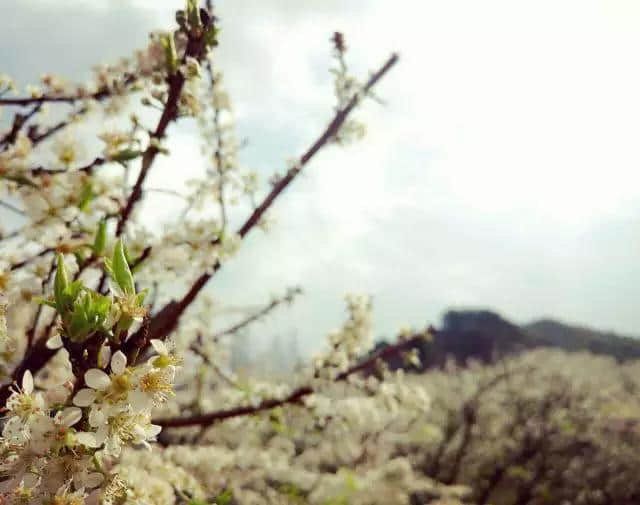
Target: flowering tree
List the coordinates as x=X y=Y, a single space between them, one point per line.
x=546 y=426
x=97 y=352
x=115 y=390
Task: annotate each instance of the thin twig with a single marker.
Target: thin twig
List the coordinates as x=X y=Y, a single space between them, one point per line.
x=256 y=315
x=19 y=120
x=195 y=48
x=102 y=93
x=294 y=397
x=12 y=208
x=88 y=168
x=31 y=332
x=166 y=320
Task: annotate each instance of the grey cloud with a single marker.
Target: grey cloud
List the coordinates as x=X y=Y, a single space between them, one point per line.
x=67 y=40
x=419 y=245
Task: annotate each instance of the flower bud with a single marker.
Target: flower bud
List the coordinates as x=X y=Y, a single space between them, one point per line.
x=61 y=282
x=121 y=270
x=100 y=241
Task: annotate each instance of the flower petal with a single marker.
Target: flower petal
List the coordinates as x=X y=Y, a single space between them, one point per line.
x=93 y=480
x=102 y=433
x=88 y=439
x=159 y=346
x=153 y=430
x=104 y=356
x=140 y=401
x=96 y=417
x=118 y=363
x=70 y=416
x=27 y=382
x=54 y=342
x=84 y=397
x=13 y=428
x=57 y=394
x=97 y=379
x=30 y=479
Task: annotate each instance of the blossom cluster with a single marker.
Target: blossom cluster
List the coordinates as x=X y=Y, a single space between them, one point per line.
x=57 y=444
x=54 y=452
x=106 y=335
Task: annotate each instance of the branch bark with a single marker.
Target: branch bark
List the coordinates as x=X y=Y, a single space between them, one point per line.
x=294 y=397
x=195 y=48
x=167 y=319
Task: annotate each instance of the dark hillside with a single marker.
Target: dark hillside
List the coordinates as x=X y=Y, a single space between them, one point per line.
x=484 y=335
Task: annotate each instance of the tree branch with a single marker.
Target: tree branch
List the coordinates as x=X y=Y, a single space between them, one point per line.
x=195 y=48
x=102 y=93
x=257 y=315
x=292 y=398
x=19 y=120
x=166 y=320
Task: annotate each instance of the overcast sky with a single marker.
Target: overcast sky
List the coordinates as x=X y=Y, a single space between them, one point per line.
x=501 y=173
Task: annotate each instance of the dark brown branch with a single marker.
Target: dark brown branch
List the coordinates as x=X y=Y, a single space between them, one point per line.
x=36 y=136
x=469 y=415
x=20 y=264
x=19 y=120
x=140 y=259
x=325 y=138
x=102 y=93
x=31 y=332
x=220 y=415
x=166 y=320
x=458 y=418
x=35 y=358
x=195 y=48
x=293 y=398
x=165 y=191
x=88 y=168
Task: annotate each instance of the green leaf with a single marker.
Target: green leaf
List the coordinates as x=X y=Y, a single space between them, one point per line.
x=108 y=266
x=140 y=297
x=193 y=14
x=126 y=254
x=45 y=301
x=211 y=36
x=170 y=53
x=101 y=306
x=224 y=498
x=78 y=325
x=80 y=256
x=100 y=241
x=126 y=155
x=121 y=270
x=86 y=196
x=72 y=291
x=60 y=283
x=90 y=311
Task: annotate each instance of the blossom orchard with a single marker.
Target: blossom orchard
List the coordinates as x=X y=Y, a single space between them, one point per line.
x=106 y=335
